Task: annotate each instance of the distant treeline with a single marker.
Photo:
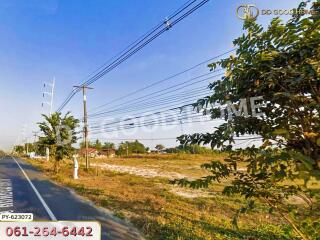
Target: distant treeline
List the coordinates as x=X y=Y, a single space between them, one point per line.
x=124 y=148
x=191 y=149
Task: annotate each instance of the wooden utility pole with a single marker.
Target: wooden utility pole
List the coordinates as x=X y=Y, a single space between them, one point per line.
x=35 y=134
x=127 y=149
x=85 y=120
x=26 y=146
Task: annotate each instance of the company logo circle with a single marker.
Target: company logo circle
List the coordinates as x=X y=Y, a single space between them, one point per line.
x=247 y=11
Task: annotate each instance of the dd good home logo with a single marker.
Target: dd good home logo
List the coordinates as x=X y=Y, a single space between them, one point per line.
x=247 y=11
x=251 y=12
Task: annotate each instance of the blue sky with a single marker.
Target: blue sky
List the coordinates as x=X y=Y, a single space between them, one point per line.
x=69 y=39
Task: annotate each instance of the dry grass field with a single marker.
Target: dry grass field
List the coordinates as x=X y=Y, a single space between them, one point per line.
x=137 y=188
x=172 y=165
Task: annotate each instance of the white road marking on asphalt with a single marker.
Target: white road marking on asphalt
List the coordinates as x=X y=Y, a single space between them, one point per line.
x=6 y=195
x=50 y=213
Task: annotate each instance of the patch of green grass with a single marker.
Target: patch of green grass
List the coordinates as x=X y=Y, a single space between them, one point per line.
x=105 y=203
x=119 y=215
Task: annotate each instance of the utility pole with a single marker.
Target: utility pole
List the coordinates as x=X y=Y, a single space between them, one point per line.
x=26 y=146
x=127 y=149
x=35 y=134
x=50 y=94
x=50 y=103
x=20 y=137
x=85 y=121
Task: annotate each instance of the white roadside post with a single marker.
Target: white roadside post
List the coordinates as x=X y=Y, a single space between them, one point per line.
x=47 y=154
x=76 y=167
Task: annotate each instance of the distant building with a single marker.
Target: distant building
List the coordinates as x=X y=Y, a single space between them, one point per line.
x=110 y=153
x=92 y=152
x=158 y=151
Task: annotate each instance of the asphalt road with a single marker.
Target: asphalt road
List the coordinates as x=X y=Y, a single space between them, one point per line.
x=23 y=189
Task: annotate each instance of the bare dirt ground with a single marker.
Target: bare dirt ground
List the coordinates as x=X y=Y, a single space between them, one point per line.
x=162 y=166
x=138 y=171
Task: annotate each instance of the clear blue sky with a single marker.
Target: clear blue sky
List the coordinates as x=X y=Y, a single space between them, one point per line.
x=69 y=39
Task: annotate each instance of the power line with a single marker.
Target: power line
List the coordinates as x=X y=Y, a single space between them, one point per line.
x=139 y=139
x=130 y=120
x=150 y=139
x=177 y=96
x=166 y=124
x=163 y=90
x=167 y=27
x=147 y=114
x=153 y=105
x=144 y=116
x=138 y=40
x=158 y=112
x=157 y=123
x=167 y=24
x=163 y=80
x=187 y=114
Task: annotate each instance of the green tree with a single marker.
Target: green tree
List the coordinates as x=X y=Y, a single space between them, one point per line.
x=59 y=135
x=131 y=147
x=97 y=145
x=19 y=149
x=30 y=147
x=2 y=153
x=123 y=149
x=109 y=145
x=137 y=147
x=160 y=147
x=90 y=144
x=40 y=148
x=193 y=149
x=280 y=63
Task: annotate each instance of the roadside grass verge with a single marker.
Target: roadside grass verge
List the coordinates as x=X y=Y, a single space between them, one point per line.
x=151 y=206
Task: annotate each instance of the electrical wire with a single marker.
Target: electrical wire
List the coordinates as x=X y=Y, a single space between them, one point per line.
x=137 y=47
x=163 y=80
x=154 y=105
x=163 y=90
